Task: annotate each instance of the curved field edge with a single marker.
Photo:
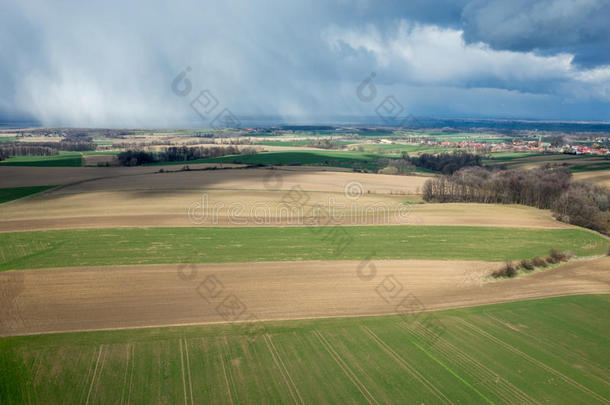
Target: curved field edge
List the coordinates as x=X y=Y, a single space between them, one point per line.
x=550 y=350
x=126 y=246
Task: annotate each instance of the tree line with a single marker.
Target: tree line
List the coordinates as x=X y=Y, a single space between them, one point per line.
x=178 y=154
x=548 y=187
x=43 y=148
x=324 y=144
x=7 y=151
x=446 y=163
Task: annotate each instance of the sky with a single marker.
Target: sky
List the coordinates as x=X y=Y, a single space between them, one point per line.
x=199 y=63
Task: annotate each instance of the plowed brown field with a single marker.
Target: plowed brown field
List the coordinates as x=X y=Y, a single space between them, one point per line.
x=599 y=176
x=38 y=301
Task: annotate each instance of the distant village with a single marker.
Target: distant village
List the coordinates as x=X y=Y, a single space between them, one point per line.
x=527 y=146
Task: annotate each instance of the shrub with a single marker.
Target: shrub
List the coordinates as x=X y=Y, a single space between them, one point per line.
x=507 y=271
x=557 y=256
x=539 y=262
x=388 y=170
x=527 y=264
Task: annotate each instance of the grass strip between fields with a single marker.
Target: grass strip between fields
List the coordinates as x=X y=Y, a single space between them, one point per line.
x=541 y=351
x=125 y=246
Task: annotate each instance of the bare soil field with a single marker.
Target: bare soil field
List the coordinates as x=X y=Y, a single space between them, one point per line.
x=23 y=176
x=26 y=139
x=121 y=178
x=474 y=214
x=142 y=197
x=192 y=208
x=17 y=131
x=253 y=179
x=94 y=160
x=70 y=299
x=147 y=208
x=601 y=177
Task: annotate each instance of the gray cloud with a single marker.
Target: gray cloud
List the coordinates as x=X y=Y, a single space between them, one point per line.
x=112 y=64
x=580 y=27
x=428 y=54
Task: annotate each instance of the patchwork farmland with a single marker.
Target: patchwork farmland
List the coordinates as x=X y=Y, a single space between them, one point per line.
x=314 y=202
x=231 y=282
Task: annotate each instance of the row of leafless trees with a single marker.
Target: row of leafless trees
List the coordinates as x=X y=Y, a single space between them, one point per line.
x=174 y=142
x=72 y=146
x=549 y=187
x=42 y=148
x=7 y=151
x=324 y=144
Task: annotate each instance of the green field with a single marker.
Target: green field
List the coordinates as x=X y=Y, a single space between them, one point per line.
x=461 y=136
x=577 y=163
x=544 y=351
x=477 y=137
x=379 y=134
x=63 y=159
x=321 y=158
x=13 y=193
x=7 y=139
x=508 y=156
x=124 y=246
x=98 y=152
x=300 y=142
x=397 y=149
x=591 y=167
x=328 y=158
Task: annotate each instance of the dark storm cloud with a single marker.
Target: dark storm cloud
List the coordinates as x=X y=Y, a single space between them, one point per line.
x=580 y=27
x=112 y=63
